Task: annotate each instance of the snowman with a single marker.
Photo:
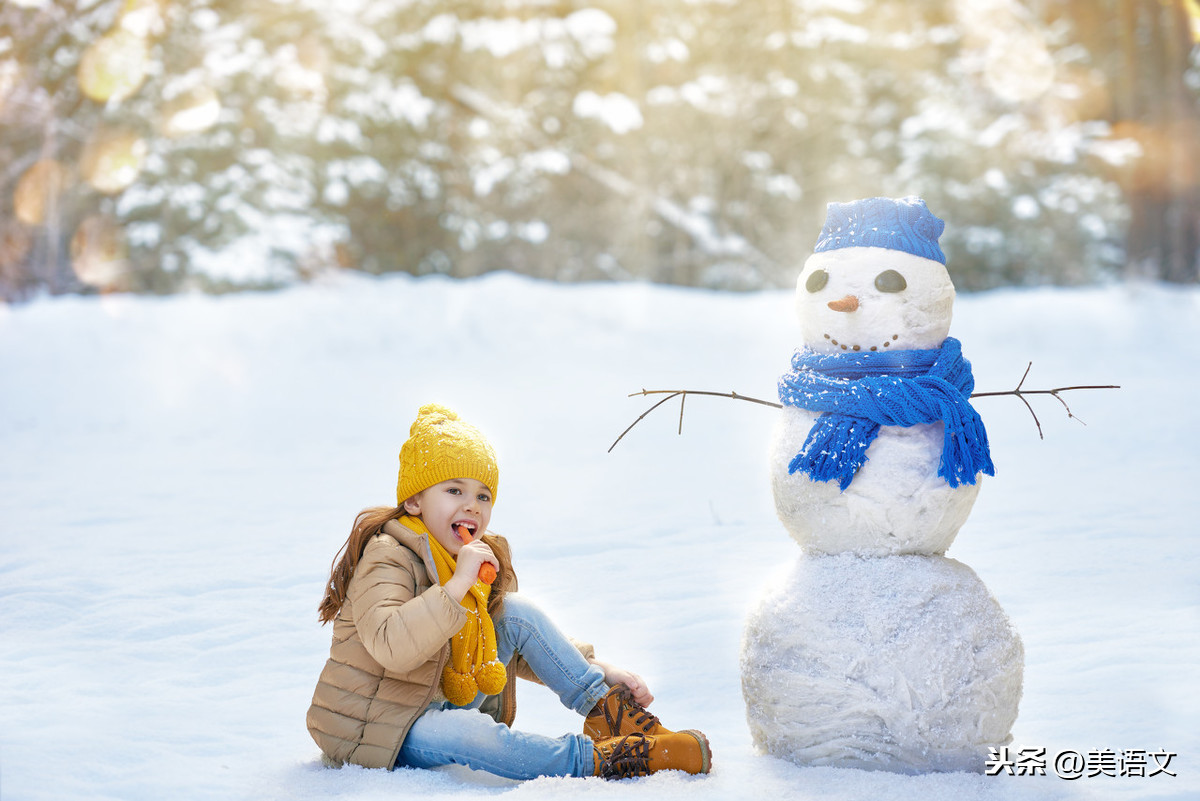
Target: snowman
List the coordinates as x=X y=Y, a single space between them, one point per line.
x=875 y=650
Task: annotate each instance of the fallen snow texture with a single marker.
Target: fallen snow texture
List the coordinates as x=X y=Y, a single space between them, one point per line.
x=177 y=473
x=903 y=663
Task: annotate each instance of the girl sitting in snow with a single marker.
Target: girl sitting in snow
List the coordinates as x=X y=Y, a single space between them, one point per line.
x=424 y=655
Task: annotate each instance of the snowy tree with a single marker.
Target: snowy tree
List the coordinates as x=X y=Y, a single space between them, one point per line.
x=152 y=145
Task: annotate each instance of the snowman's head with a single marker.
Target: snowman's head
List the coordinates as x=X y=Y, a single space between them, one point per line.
x=877 y=280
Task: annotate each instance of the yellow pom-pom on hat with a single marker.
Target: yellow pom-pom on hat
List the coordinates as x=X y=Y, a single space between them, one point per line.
x=440 y=447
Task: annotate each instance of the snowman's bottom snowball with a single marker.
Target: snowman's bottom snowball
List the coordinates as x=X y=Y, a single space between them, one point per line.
x=902 y=663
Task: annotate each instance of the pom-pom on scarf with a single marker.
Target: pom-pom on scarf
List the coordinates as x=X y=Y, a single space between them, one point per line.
x=473 y=665
x=859 y=392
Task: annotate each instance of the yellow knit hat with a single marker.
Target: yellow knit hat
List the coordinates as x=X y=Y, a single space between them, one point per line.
x=441 y=447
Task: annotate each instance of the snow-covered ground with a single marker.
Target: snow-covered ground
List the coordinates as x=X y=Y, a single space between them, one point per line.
x=177 y=473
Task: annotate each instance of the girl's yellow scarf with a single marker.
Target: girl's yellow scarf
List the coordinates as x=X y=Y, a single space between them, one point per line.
x=473 y=665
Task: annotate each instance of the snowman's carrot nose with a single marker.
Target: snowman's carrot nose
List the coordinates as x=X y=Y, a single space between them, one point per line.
x=846 y=304
x=487 y=571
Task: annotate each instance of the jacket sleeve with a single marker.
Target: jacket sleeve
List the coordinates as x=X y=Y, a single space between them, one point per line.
x=400 y=629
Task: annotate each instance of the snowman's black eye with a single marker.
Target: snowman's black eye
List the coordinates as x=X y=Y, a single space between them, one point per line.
x=890 y=281
x=817 y=281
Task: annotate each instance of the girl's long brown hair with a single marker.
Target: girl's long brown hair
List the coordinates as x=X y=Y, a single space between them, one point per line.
x=369 y=523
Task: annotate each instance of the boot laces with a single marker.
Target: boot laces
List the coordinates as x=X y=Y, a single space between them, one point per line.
x=629 y=756
x=642 y=717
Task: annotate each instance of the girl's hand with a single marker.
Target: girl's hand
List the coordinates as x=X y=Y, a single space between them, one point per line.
x=614 y=675
x=466 y=568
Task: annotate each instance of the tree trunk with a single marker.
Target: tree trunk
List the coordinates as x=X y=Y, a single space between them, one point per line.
x=1154 y=105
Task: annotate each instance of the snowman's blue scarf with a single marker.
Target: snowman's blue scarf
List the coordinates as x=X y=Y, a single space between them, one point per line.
x=859 y=392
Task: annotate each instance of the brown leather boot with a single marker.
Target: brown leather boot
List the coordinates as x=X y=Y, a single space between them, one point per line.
x=617 y=714
x=638 y=754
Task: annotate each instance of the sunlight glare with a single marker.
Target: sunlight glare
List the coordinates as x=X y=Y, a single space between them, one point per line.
x=1192 y=7
x=1016 y=63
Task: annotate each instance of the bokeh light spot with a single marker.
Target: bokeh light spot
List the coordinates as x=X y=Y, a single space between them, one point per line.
x=190 y=113
x=98 y=253
x=10 y=72
x=142 y=17
x=38 y=191
x=114 y=66
x=112 y=159
x=1019 y=67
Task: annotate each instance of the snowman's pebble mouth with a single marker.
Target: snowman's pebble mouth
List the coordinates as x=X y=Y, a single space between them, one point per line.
x=844 y=346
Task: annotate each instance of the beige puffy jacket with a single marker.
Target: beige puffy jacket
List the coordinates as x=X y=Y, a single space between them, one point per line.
x=391 y=640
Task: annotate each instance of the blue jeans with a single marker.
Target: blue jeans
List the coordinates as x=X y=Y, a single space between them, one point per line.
x=445 y=734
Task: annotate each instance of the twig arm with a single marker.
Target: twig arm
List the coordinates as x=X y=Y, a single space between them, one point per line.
x=1018 y=392
x=641 y=417
x=1054 y=391
x=732 y=395
x=682 y=395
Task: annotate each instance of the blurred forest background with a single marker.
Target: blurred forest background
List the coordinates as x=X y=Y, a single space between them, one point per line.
x=162 y=145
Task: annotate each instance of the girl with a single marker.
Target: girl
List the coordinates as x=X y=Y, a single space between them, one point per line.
x=422 y=668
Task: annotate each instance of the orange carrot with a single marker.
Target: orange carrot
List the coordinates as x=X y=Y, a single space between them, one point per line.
x=487 y=571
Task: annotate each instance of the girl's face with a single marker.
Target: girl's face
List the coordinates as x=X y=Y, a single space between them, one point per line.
x=443 y=506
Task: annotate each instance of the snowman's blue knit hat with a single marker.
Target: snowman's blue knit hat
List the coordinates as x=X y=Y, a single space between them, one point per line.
x=883 y=222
